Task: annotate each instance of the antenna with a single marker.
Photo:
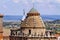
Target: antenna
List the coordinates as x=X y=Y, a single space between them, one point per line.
x=23 y=12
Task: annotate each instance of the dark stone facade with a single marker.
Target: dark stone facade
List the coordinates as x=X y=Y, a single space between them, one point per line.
x=32 y=38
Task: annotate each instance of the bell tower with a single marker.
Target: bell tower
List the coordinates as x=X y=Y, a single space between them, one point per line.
x=1 y=27
x=33 y=24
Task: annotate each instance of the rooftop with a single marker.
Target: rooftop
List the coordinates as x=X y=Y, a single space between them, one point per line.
x=33 y=10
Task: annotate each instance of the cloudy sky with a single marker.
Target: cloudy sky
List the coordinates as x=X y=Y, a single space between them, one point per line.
x=16 y=7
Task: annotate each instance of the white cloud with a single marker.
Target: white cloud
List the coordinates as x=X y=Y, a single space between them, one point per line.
x=22 y=1
x=25 y=2
x=58 y=1
x=33 y=1
x=51 y=6
x=4 y=6
x=49 y=0
x=16 y=1
x=40 y=1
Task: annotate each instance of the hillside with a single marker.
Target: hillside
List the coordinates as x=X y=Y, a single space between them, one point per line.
x=44 y=17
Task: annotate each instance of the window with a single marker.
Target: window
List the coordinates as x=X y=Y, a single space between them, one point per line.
x=29 y=31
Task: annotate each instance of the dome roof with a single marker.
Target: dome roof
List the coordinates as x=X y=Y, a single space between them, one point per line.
x=33 y=19
x=33 y=10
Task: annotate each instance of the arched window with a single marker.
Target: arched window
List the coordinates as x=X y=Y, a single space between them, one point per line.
x=29 y=31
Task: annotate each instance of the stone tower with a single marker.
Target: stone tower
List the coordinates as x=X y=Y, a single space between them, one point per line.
x=31 y=28
x=1 y=27
x=33 y=25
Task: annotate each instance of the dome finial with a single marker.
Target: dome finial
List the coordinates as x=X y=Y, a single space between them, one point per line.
x=33 y=5
x=33 y=10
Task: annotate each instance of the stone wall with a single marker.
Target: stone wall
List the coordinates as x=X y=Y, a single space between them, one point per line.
x=1 y=27
x=32 y=38
x=6 y=38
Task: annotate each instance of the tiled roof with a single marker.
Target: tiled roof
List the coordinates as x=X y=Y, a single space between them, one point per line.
x=33 y=21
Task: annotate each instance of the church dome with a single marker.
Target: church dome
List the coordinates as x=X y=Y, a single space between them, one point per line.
x=33 y=19
x=33 y=12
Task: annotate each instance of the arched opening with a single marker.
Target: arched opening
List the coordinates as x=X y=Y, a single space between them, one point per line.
x=29 y=31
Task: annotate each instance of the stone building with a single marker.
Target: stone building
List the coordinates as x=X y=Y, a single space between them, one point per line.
x=1 y=27
x=32 y=28
x=6 y=33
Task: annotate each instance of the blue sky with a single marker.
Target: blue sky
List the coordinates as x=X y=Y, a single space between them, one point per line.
x=15 y=7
